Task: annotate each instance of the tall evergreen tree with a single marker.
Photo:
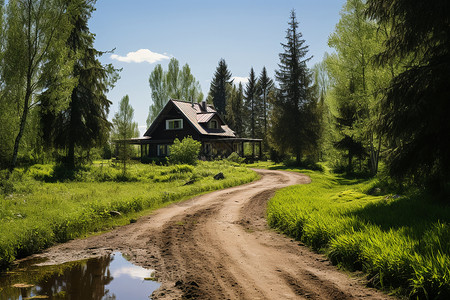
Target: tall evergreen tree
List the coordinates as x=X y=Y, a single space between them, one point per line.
x=123 y=129
x=265 y=87
x=218 y=89
x=295 y=122
x=84 y=123
x=252 y=105
x=416 y=105
x=235 y=109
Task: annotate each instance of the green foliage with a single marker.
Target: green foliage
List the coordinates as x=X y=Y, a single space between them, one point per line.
x=356 y=88
x=234 y=157
x=415 y=106
x=123 y=129
x=266 y=92
x=235 y=109
x=35 y=214
x=252 y=106
x=184 y=152
x=34 y=54
x=400 y=242
x=173 y=83
x=84 y=121
x=218 y=91
x=295 y=126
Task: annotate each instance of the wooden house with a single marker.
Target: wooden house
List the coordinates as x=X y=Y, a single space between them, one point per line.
x=180 y=119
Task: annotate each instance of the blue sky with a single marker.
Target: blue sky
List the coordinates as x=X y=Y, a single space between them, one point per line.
x=198 y=32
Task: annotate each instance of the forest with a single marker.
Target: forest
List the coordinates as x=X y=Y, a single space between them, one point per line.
x=372 y=115
x=379 y=100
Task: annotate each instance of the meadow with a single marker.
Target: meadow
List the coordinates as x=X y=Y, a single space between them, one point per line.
x=45 y=204
x=402 y=242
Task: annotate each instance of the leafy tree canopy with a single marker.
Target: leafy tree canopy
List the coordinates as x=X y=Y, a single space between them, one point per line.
x=173 y=83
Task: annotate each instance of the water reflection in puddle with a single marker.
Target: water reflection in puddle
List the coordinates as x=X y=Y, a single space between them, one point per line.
x=107 y=277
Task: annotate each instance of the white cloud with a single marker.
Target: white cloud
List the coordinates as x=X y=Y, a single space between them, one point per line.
x=142 y=55
x=133 y=272
x=242 y=80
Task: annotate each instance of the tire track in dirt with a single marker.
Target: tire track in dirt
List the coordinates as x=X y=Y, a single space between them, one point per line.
x=218 y=246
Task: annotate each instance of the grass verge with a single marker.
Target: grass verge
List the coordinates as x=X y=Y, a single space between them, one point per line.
x=42 y=205
x=401 y=242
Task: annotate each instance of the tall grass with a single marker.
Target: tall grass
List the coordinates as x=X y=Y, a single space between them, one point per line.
x=402 y=243
x=43 y=205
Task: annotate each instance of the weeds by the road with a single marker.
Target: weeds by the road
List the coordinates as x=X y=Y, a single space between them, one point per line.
x=43 y=205
x=401 y=242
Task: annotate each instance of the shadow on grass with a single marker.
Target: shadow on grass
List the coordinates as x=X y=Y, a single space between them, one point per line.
x=413 y=213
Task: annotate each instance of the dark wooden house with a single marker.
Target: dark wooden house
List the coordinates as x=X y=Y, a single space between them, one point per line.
x=180 y=119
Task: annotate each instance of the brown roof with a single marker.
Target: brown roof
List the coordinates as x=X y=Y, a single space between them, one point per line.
x=204 y=118
x=195 y=115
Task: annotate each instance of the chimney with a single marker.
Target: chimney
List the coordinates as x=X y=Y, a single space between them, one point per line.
x=204 y=105
x=192 y=102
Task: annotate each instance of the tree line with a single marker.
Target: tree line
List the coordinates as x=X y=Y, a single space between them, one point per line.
x=380 y=99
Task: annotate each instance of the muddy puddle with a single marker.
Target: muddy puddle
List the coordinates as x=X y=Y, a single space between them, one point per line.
x=106 y=277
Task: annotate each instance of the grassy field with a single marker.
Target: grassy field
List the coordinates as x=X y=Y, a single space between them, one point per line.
x=44 y=205
x=402 y=242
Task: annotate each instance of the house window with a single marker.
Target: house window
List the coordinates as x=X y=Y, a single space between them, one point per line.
x=163 y=150
x=213 y=124
x=174 y=124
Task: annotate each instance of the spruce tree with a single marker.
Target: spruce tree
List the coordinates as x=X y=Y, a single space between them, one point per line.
x=265 y=88
x=84 y=123
x=218 y=89
x=235 y=109
x=295 y=122
x=251 y=104
x=416 y=105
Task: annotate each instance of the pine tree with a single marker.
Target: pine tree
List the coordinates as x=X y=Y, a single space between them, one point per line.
x=295 y=121
x=416 y=105
x=218 y=89
x=235 y=109
x=251 y=105
x=265 y=87
x=84 y=123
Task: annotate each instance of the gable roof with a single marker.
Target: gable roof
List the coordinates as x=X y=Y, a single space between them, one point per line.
x=195 y=115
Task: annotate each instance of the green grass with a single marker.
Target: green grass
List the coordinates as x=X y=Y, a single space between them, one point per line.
x=44 y=205
x=401 y=243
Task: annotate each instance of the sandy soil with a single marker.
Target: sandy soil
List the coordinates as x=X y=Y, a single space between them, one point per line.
x=218 y=246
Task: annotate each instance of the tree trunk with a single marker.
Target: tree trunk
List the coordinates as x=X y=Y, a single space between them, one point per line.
x=23 y=121
x=71 y=154
x=350 y=164
x=374 y=157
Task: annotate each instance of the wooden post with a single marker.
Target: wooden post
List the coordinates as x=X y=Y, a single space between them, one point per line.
x=260 y=151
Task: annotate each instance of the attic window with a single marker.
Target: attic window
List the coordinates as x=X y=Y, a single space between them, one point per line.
x=174 y=124
x=213 y=124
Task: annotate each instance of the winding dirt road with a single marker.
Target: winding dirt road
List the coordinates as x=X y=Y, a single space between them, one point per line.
x=218 y=246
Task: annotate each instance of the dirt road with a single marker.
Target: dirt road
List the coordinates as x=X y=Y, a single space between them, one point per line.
x=218 y=246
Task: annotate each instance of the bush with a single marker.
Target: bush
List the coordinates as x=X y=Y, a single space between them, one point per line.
x=184 y=152
x=234 y=157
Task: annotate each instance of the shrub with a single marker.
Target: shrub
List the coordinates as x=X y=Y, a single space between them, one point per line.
x=184 y=152
x=234 y=157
